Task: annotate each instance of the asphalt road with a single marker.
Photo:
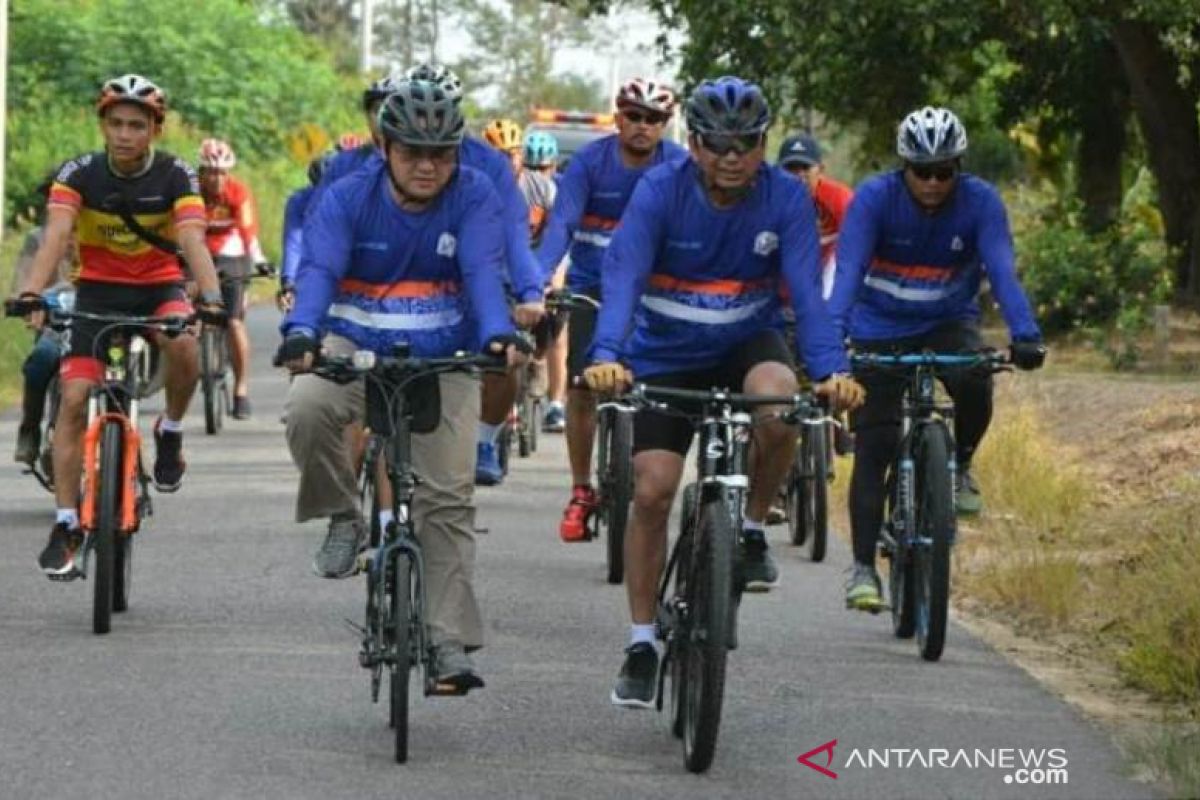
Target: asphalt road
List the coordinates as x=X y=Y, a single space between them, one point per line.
x=233 y=675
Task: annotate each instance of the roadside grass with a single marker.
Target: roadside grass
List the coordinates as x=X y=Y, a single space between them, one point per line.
x=15 y=340
x=1171 y=752
x=1029 y=545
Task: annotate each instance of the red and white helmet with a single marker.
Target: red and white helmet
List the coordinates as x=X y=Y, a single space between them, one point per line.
x=132 y=89
x=216 y=154
x=349 y=141
x=648 y=94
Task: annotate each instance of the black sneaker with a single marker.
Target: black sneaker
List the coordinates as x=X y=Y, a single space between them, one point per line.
x=759 y=573
x=241 y=408
x=638 y=679
x=169 y=465
x=29 y=439
x=58 y=559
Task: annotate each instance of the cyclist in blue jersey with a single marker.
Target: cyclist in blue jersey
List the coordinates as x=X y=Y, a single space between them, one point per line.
x=592 y=195
x=914 y=247
x=405 y=250
x=692 y=299
x=349 y=159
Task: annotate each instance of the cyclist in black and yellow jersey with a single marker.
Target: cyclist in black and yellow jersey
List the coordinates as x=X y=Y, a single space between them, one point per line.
x=132 y=209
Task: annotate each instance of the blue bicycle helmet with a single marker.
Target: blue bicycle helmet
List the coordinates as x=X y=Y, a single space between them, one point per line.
x=727 y=106
x=541 y=149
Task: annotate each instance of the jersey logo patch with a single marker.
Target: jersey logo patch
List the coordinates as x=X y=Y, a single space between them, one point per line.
x=447 y=245
x=956 y=244
x=765 y=243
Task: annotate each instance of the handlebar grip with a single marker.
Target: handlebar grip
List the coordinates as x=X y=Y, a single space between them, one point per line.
x=23 y=306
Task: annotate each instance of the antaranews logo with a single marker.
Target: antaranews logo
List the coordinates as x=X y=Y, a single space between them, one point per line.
x=1023 y=766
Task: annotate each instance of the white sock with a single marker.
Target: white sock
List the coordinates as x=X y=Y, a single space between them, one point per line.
x=488 y=433
x=641 y=633
x=385 y=518
x=753 y=525
x=170 y=425
x=67 y=515
x=557 y=404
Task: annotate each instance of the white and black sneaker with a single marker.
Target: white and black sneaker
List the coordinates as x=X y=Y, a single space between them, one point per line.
x=638 y=679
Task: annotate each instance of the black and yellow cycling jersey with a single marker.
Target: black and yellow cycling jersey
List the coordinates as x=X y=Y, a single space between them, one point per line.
x=162 y=198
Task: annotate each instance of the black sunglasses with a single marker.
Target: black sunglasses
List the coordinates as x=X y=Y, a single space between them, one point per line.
x=436 y=154
x=644 y=118
x=719 y=145
x=938 y=172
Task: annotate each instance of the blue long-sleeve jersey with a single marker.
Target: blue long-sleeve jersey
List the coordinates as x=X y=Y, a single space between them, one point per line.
x=694 y=280
x=902 y=271
x=592 y=196
x=525 y=276
x=293 y=232
x=379 y=275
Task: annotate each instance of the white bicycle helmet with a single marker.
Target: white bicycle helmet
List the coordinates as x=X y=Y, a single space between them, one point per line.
x=930 y=134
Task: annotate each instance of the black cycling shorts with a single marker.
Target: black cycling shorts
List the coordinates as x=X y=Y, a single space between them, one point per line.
x=579 y=336
x=232 y=270
x=656 y=430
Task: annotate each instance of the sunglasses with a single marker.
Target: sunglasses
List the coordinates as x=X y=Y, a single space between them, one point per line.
x=644 y=118
x=720 y=145
x=438 y=155
x=941 y=173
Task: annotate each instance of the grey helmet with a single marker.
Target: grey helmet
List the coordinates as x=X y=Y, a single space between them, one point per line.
x=442 y=76
x=728 y=106
x=421 y=113
x=930 y=134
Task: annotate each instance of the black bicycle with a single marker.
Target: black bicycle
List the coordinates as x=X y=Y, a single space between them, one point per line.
x=919 y=525
x=806 y=490
x=116 y=493
x=395 y=634
x=42 y=467
x=215 y=380
x=701 y=587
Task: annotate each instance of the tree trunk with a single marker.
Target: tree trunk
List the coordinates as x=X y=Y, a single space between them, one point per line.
x=1103 y=112
x=1167 y=114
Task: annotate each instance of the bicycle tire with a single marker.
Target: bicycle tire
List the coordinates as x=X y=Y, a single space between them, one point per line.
x=210 y=382
x=935 y=527
x=122 y=572
x=817 y=516
x=535 y=423
x=46 y=456
x=400 y=646
x=112 y=440
x=504 y=443
x=525 y=444
x=710 y=604
x=678 y=660
x=900 y=570
x=794 y=501
x=618 y=493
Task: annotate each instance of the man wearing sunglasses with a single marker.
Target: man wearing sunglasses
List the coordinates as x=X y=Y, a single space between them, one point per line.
x=912 y=254
x=408 y=250
x=592 y=195
x=691 y=288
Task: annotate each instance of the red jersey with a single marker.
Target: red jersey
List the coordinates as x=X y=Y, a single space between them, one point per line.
x=832 y=198
x=232 y=220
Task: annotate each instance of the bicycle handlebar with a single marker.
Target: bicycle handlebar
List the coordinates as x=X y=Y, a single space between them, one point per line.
x=991 y=358
x=59 y=316
x=566 y=299
x=343 y=369
x=642 y=393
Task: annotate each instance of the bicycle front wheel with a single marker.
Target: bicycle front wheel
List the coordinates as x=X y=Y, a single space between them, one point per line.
x=683 y=567
x=399 y=627
x=112 y=440
x=816 y=511
x=618 y=491
x=210 y=381
x=710 y=606
x=935 y=532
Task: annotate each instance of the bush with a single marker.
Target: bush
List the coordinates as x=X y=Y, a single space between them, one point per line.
x=1081 y=281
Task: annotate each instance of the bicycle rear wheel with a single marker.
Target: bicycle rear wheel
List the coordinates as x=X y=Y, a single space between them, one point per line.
x=935 y=531
x=617 y=491
x=816 y=515
x=399 y=628
x=211 y=379
x=710 y=609
x=112 y=440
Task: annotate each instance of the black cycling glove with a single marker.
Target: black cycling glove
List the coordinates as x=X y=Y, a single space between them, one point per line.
x=295 y=347
x=1027 y=355
x=520 y=342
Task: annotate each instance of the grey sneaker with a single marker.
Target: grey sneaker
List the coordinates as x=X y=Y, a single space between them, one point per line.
x=967 y=498
x=862 y=590
x=338 y=555
x=29 y=439
x=638 y=679
x=759 y=572
x=455 y=670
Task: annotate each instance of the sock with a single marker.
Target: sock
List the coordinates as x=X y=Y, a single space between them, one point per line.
x=557 y=404
x=753 y=526
x=641 y=633
x=68 y=515
x=488 y=433
x=170 y=425
x=385 y=518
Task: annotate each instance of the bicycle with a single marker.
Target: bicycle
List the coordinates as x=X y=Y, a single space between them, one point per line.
x=919 y=521
x=700 y=589
x=116 y=485
x=614 y=456
x=215 y=367
x=806 y=489
x=395 y=634
x=42 y=467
